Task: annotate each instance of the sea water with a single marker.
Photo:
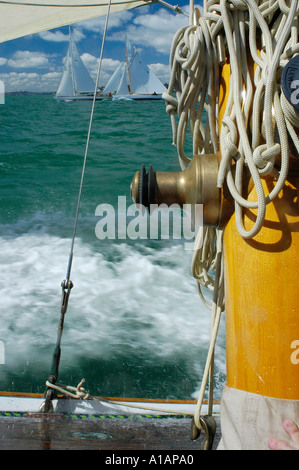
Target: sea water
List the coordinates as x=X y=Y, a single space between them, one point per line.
x=135 y=325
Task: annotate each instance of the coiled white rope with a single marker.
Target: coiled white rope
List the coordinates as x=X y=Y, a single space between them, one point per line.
x=258 y=123
x=256 y=126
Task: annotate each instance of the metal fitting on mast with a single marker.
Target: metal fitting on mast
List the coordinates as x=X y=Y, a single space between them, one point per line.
x=197 y=184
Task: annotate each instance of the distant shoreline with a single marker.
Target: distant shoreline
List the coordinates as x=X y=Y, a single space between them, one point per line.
x=29 y=93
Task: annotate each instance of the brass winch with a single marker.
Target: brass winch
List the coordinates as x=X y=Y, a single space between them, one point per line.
x=197 y=184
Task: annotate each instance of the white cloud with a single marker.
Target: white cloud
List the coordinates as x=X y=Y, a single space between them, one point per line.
x=89 y=60
x=3 y=61
x=96 y=25
x=156 y=30
x=110 y=64
x=54 y=36
x=161 y=71
x=18 y=81
x=28 y=59
x=32 y=81
x=92 y=63
x=49 y=82
x=108 y=68
x=59 y=36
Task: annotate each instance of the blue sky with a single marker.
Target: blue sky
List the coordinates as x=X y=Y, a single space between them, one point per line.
x=35 y=62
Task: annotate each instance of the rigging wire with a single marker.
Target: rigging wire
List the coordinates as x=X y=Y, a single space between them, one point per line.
x=59 y=5
x=87 y=145
x=67 y=283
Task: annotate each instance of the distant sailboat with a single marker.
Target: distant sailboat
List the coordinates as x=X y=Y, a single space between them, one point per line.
x=76 y=83
x=133 y=80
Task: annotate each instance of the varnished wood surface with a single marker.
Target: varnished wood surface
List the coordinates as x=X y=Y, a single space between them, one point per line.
x=262 y=299
x=64 y=432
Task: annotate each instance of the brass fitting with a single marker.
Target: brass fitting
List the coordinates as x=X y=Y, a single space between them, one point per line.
x=197 y=184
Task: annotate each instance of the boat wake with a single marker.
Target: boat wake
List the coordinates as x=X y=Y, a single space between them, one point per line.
x=134 y=315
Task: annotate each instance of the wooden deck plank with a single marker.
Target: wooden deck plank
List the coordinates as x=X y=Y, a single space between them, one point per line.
x=69 y=432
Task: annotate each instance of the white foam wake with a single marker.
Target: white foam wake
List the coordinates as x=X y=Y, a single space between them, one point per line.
x=126 y=298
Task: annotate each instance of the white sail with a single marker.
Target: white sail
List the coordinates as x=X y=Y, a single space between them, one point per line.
x=114 y=80
x=143 y=80
x=66 y=87
x=19 y=18
x=83 y=83
x=75 y=81
x=137 y=80
x=124 y=84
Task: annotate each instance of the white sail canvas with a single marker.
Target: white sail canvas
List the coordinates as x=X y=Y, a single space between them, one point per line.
x=143 y=80
x=83 y=83
x=20 y=17
x=66 y=87
x=76 y=83
x=113 y=83
x=124 y=84
x=136 y=80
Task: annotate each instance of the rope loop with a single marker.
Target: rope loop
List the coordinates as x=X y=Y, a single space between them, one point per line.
x=230 y=135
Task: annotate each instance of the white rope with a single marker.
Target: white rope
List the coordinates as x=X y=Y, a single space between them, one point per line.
x=217 y=309
x=80 y=392
x=258 y=156
x=266 y=114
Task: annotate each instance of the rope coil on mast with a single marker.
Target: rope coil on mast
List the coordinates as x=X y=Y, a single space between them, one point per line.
x=258 y=123
x=67 y=284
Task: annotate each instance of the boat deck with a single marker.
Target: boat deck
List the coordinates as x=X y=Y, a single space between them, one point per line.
x=66 y=432
x=98 y=425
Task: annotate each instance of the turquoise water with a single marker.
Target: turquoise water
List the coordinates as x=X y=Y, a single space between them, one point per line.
x=135 y=325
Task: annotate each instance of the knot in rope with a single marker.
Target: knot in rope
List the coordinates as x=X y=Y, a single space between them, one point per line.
x=230 y=135
x=171 y=103
x=79 y=392
x=264 y=157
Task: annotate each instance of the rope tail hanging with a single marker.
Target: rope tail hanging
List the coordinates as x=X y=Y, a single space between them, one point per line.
x=67 y=284
x=194 y=76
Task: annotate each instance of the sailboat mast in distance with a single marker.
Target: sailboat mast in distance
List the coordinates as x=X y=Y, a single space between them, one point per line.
x=76 y=83
x=133 y=80
x=128 y=67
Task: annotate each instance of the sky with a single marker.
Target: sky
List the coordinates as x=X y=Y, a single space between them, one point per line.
x=34 y=63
